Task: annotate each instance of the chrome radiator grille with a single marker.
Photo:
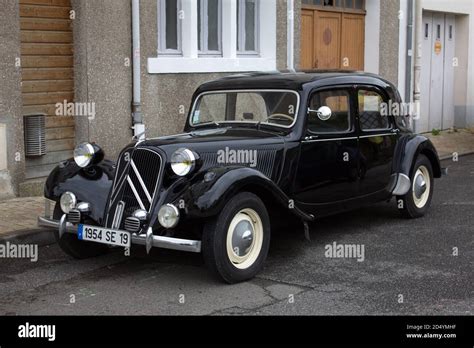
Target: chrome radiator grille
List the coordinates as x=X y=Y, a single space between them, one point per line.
x=136 y=183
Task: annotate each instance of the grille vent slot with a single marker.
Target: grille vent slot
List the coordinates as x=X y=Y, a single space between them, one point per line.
x=35 y=138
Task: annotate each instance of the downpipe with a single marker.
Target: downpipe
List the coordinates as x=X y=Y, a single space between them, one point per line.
x=137 y=117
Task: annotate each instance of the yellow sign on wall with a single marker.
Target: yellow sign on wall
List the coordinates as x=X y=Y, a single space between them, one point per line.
x=437 y=47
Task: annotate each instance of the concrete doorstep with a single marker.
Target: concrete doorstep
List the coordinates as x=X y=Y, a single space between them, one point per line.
x=18 y=216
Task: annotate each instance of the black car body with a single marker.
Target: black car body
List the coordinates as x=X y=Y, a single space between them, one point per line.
x=308 y=162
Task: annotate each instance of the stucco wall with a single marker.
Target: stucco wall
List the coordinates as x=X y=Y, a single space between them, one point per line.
x=166 y=98
x=102 y=38
x=10 y=99
x=388 y=40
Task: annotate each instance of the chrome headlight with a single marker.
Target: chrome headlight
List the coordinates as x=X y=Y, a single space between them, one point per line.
x=168 y=216
x=83 y=154
x=67 y=202
x=183 y=161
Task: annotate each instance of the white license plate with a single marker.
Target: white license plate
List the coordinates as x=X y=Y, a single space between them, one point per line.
x=104 y=235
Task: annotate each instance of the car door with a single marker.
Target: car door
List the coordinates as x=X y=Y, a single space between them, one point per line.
x=377 y=138
x=327 y=170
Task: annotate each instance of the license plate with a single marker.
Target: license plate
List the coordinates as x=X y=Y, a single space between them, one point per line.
x=104 y=235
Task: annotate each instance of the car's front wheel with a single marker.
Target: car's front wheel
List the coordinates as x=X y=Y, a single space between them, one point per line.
x=74 y=247
x=236 y=242
x=417 y=200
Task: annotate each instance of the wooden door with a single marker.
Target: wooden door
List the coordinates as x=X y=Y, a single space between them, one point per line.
x=332 y=40
x=307 y=40
x=327 y=40
x=47 y=76
x=352 y=42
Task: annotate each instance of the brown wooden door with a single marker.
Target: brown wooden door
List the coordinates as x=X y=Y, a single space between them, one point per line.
x=352 y=42
x=327 y=40
x=307 y=40
x=332 y=40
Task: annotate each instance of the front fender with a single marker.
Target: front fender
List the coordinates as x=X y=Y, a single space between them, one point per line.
x=409 y=147
x=208 y=198
x=91 y=184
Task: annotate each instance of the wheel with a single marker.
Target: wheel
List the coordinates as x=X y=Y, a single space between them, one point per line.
x=236 y=242
x=417 y=200
x=74 y=247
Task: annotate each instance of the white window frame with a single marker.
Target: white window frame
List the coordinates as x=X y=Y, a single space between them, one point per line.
x=203 y=39
x=162 y=50
x=230 y=61
x=242 y=32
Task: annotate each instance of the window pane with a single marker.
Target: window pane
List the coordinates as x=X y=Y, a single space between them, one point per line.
x=213 y=25
x=359 y=4
x=349 y=4
x=171 y=24
x=370 y=117
x=250 y=25
x=199 y=23
x=278 y=108
x=338 y=102
x=238 y=26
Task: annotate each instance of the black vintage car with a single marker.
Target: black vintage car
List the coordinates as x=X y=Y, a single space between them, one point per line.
x=255 y=148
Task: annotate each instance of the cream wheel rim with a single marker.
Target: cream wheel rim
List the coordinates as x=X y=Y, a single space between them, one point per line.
x=421 y=186
x=244 y=238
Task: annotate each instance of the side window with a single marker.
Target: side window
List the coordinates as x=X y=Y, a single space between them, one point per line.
x=370 y=116
x=339 y=103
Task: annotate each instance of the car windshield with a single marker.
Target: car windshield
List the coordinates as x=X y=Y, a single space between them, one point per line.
x=260 y=106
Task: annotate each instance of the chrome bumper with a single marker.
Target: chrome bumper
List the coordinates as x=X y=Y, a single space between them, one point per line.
x=147 y=239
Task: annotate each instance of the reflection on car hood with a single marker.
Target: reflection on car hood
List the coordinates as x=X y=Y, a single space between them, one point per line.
x=216 y=138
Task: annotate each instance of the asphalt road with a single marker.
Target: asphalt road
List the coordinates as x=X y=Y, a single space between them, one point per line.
x=408 y=268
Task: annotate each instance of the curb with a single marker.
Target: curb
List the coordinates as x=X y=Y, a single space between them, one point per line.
x=41 y=237
x=459 y=155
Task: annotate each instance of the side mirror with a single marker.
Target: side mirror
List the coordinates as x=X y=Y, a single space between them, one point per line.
x=324 y=113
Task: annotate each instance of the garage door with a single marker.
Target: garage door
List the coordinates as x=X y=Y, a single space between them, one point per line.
x=437 y=72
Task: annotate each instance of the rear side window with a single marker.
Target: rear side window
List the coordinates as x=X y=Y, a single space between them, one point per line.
x=339 y=103
x=370 y=116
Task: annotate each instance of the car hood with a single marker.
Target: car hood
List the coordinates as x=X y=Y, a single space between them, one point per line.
x=214 y=139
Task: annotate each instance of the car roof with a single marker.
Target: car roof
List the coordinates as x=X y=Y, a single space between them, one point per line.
x=294 y=80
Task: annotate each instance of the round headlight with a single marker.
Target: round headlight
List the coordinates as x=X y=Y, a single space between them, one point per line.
x=67 y=202
x=168 y=216
x=83 y=154
x=183 y=161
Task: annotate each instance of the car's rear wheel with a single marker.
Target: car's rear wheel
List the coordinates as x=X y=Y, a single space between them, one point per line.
x=236 y=242
x=417 y=200
x=74 y=247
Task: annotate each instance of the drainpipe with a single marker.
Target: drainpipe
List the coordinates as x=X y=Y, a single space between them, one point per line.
x=137 y=117
x=290 y=35
x=409 y=52
x=418 y=42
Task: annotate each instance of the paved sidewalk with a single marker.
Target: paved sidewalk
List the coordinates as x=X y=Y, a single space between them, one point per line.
x=20 y=214
x=448 y=142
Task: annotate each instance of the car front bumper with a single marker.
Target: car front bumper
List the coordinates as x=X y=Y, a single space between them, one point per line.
x=147 y=239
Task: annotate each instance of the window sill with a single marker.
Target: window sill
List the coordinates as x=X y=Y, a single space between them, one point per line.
x=176 y=65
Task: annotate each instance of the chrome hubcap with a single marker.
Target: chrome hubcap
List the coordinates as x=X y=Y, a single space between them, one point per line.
x=244 y=238
x=421 y=186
